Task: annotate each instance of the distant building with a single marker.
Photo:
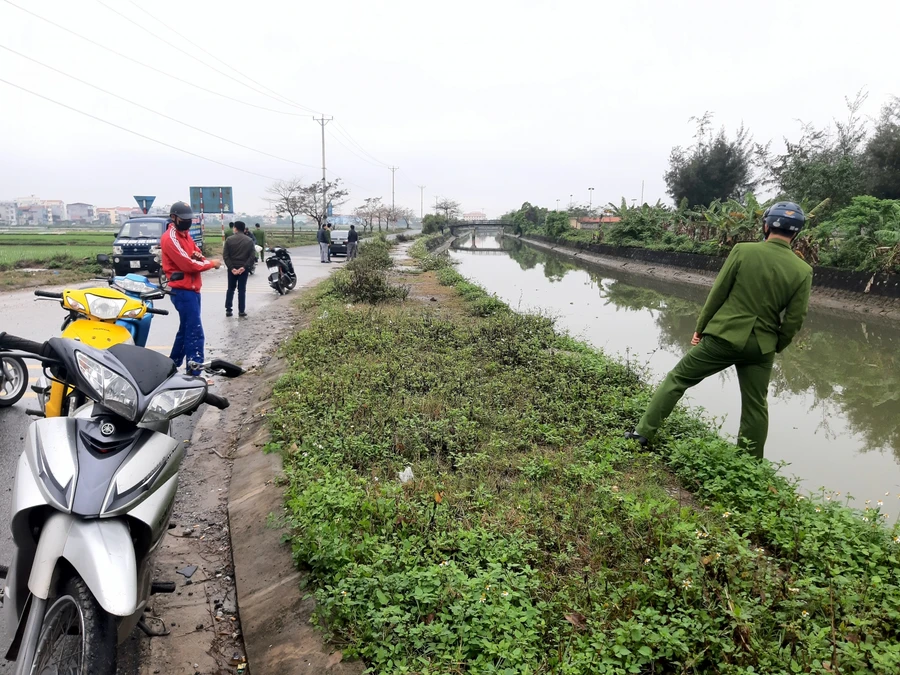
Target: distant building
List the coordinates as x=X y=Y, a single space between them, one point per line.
x=106 y=216
x=28 y=201
x=8 y=213
x=34 y=214
x=126 y=212
x=80 y=212
x=593 y=223
x=57 y=208
x=474 y=215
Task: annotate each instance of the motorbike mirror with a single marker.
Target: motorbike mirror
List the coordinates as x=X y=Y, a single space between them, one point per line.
x=102 y=258
x=176 y=276
x=225 y=368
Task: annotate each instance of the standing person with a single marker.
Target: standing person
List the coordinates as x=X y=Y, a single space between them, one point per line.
x=754 y=309
x=322 y=238
x=261 y=241
x=328 y=239
x=352 y=242
x=239 y=253
x=180 y=254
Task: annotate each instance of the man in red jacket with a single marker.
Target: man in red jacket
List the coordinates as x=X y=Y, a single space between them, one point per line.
x=180 y=254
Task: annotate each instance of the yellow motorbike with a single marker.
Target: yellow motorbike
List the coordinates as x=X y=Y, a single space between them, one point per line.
x=97 y=317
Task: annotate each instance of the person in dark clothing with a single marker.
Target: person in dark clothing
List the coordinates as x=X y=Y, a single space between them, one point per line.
x=322 y=238
x=352 y=242
x=260 y=241
x=239 y=253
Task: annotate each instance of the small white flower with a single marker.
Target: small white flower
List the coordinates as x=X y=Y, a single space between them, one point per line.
x=880 y=503
x=686 y=583
x=726 y=515
x=800 y=498
x=887 y=494
x=760 y=549
x=482 y=599
x=505 y=593
x=897 y=539
x=818 y=510
x=646 y=561
x=343 y=592
x=718 y=555
x=868 y=501
x=376 y=479
x=804 y=614
x=828 y=498
x=865 y=519
x=306 y=454
x=794 y=590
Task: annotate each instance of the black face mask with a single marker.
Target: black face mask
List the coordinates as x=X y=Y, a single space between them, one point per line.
x=182 y=225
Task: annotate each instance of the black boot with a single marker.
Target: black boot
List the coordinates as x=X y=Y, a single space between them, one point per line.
x=635 y=436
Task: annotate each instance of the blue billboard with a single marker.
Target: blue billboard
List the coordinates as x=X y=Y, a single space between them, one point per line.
x=212 y=200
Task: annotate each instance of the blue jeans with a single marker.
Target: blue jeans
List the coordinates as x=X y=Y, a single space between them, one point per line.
x=238 y=281
x=189 y=339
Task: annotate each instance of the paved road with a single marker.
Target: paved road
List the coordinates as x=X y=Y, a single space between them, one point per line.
x=21 y=314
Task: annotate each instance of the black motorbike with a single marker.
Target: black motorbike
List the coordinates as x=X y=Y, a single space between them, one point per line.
x=281 y=270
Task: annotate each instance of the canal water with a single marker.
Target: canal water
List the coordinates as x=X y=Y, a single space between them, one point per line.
x=834 y=400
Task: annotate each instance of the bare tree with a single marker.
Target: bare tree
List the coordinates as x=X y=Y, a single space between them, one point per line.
x=449 y=207
x=313 y=199
x=369 y=211
x=405 y=214
x=286 y=198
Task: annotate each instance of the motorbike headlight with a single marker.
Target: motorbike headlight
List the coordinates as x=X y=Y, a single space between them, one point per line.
x=112 y=390
x=130 y=285
x=171 y=403
x=104 y=308
x=74 y=304
x=117 y=250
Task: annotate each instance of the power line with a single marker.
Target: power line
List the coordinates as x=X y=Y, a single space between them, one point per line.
x=227 y=65
x=136 y=133
x=145 y=65
x=199 y=60
x=356 y=143
x=353 y=152
x=156 y=112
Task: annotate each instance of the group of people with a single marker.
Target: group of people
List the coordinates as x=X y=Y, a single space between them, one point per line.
x=323 y=236
x=754 y=310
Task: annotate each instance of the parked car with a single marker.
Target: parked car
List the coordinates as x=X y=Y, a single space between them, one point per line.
x=137 y=244
x=338 y=242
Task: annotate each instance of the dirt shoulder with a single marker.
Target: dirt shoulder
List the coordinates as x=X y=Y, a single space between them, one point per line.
x=825 y=298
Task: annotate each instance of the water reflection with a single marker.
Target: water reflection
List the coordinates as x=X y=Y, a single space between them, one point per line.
x=835 y=394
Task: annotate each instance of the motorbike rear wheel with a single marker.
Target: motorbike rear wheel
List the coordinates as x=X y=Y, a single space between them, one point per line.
x=290 y=282
x=77 y=637
x=13 y=380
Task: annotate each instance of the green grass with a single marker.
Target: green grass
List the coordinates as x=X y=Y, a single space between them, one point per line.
x=49 y=256
x=533 y=538
x=31 y=239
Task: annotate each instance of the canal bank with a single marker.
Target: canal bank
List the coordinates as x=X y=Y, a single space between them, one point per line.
x=458 y=487
x=834 y=402
x=703 y=273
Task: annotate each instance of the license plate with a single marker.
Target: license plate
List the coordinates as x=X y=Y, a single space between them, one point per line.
x=135 y=264
x=273 y=270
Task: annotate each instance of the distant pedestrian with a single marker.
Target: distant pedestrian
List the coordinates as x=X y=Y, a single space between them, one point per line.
x=328 y=240
x=352 y=242
x=755 y=308
x=260 y=241
x=322 y=238
x=239 y=254
x=180 y=254
x=229 y=230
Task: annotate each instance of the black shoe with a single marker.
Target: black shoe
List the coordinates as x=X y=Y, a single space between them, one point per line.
x=635 y=436
x=228 y=312
x=242 y=314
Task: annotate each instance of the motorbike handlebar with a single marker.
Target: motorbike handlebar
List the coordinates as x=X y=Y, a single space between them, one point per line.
x=219 y=402
x=48 y=294
x=13 y=343
x=161 y=312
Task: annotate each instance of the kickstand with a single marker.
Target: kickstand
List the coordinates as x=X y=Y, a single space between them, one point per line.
x=150 y=632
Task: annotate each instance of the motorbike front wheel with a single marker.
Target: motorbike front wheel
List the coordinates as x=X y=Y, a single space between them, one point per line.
x=77 y=637
x=13 y=380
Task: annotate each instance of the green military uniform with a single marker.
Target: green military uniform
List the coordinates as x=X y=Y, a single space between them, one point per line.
x=260 y=241
x=754 y=310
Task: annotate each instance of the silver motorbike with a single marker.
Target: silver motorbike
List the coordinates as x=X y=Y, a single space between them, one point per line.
x=92 y=499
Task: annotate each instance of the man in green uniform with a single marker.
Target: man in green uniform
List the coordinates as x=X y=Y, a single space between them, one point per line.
x=260 y=241
x=755 y=308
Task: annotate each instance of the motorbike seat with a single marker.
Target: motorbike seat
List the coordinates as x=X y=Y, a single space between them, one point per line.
x=148 y=368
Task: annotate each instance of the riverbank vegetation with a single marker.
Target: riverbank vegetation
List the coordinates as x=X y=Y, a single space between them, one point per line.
x=460 y=492
x=845 y=175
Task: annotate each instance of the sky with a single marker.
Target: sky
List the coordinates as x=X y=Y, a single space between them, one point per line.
x=490 y=103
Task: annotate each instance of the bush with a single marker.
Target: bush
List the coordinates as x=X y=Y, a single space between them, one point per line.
x=363 y=281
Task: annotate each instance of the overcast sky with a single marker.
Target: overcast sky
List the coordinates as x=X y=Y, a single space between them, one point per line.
x=490 y=103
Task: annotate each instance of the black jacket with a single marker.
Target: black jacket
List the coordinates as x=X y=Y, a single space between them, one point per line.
x=238 y=252
x=353 y=235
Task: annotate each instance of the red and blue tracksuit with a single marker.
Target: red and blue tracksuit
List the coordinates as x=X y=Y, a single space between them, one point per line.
x=180 y=254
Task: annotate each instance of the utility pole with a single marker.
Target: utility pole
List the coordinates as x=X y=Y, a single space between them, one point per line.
x=323 y=121
x=393 y=171
x=590 y=199
x=421 y=202
x=435 y=204
x=642 y=193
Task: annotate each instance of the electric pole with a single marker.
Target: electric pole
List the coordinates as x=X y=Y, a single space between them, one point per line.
x=393 y=171
x=422 y=202
x=323 y=121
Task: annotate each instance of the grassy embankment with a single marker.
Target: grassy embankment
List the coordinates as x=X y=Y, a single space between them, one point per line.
x=69 y=256
x=534 y=539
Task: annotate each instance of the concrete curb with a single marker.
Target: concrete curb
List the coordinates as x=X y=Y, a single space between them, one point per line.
x=275 y=615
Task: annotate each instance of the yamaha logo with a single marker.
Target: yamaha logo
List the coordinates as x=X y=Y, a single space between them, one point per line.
x=107 y=429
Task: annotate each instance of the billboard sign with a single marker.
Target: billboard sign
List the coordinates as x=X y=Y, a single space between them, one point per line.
x=212 y=200
x=144 y=202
